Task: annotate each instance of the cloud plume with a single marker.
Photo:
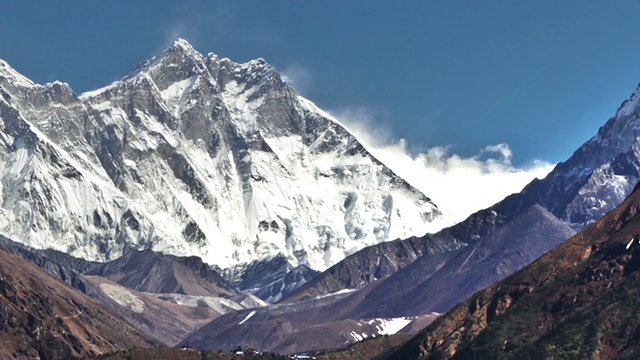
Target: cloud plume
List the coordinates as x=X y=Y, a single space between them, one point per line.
x=297 y=76
x=459 y=185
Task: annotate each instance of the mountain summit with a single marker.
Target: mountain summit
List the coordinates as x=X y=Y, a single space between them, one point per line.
x=193 y=155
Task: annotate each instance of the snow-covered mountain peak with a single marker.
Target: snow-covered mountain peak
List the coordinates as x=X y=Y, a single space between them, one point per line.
x=59 y=87
x=181 y=53
x=258 y=64
x=195 y=155
x=9 y=74
x=248 y=76
x=184 y=45
x=602 y=172
x=630 y=106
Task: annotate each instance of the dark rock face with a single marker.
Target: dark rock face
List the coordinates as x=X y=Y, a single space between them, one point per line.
x=269 y=279
x=153 y=272
x=474 y=267
x=373 y=263
x=287 y=328
x=58 y=264
x=145 y=271
x=152 y=280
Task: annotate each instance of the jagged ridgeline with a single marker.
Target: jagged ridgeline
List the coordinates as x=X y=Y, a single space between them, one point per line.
x=194 y=155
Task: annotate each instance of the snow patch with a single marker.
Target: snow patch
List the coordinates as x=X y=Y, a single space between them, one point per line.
x=219 y=304
x=123 y=297
x=379 y=327
x=249 y=316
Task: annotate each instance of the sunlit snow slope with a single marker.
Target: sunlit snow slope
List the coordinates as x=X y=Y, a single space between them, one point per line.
x=193 y=155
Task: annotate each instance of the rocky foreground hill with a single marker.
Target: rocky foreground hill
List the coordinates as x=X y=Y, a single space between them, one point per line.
x=42 y=317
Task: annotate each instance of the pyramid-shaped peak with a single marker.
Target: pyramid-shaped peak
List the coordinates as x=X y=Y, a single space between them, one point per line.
x=183 y=46
x=182 y=43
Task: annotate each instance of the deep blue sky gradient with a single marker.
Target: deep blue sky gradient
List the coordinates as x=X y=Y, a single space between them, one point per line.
x=541 y=76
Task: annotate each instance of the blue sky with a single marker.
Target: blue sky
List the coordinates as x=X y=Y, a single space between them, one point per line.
x=539 y=76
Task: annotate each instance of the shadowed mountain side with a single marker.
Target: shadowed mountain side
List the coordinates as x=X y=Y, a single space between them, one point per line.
x=374 y=262
x=146 y=271
x=267 y=328
x=40 y=316
x=579 y=300
x=154 y=272
x=314 y=324
x=422 y=288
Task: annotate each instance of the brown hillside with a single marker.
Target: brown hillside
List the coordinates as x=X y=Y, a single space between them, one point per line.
x=40 y=316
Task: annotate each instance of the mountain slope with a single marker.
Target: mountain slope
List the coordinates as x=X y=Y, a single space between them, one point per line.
x=376 y=262
x=42 y=317
x=164 y=296
x=414 y=292
x=314 y=324
x=269 y=279
x=594 y=180
x=474 y=267
x=579 y=301
x=402 y=279
x=146 y=271
x=154 y=272
x=171 y=154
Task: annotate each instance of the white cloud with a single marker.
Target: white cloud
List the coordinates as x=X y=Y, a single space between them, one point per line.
x=297 y=76
x=459 y=185
x=175 y=31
